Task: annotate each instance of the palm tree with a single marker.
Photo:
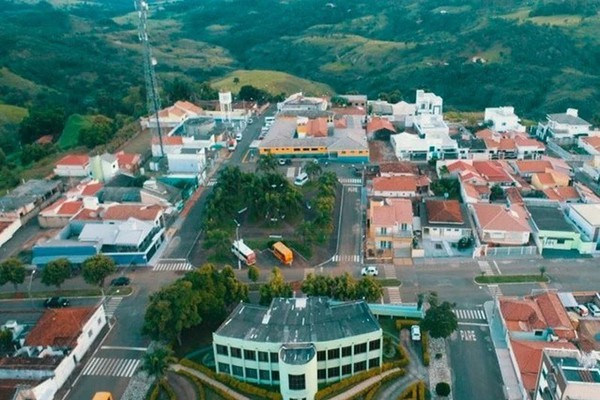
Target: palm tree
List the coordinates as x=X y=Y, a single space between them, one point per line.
x=312 y=169
x=266 y=163
x=157 y=361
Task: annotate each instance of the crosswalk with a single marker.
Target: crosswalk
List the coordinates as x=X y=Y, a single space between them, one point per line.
x=389 y=271
x=484 y=266
x=495 y=290
x=393 y=294
x=173 y=265
x=345 y=257
x=211 y=182
x=120 y=367
x=350 y=181
x=469 y=314
x=111 y=305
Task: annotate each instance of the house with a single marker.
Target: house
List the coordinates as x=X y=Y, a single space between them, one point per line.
x=26 y=200
x=50 y=352
x=355 y=100
x=298 y=344
x=550 y=179
x=428 y=103
x=58 y=214
x=170 y=144
x=591 y=144
x=552 y=231
x=8 y=229
x=587 y=218
x=380 y=128
x=104 y=167
x=500 y=225
x=128 y=162
x=156 y=192
x=503 y=119
x=526 y=168
x=73 y=165
x=399 y=112
x=172 y=116
x=474 y=191
x=412 y=147
x=299 y=102
x=85 y=188
x=445 y=220
x=390 y=231
x=563 y=194
x=400 y=186
x=528 y=148
x=495 y=173
x=188 y=161
x=568 y=374
x=398 y=168
x=566 y=125
x=113 y=212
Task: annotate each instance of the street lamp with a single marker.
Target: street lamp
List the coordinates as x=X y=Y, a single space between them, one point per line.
x=237 y=238
x=29 y=287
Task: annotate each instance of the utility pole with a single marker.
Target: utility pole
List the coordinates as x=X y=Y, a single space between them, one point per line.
x=152 y=94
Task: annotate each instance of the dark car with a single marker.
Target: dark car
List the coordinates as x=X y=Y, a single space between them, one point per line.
x=56 y=302
x=120 y=281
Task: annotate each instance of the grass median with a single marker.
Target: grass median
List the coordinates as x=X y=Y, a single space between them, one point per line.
x=92 y=292
x=497 y=279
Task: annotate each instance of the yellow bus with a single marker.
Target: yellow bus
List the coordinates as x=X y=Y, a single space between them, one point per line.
x=103 y=396
x=283 y=253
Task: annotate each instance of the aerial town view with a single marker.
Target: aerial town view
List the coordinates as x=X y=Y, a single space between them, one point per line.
x=300 y=200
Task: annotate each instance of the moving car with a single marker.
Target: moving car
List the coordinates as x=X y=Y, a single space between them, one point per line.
x=56 y=302
x=370 y=271
x=415 y=333
x=238 y=136
x=120 y=281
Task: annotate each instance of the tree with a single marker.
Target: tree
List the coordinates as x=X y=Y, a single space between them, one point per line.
x=40 y=122
x=266 y=163
x=35 y=152
x=253 y=273
x=442 y=389
x=100 y=131
x=317 y=285
x=156 y=361
x=12 y=271
x=542 y=271
x=276 y=287
x=464 y=242
x=172 y=309
x=368 y=289
x=6 y=338
x=218 y=240
x=443 y=170
x=96 y=268
x=179 y=89
x=236 y=80
x=56 y=272
x=496 y=193
x=312 y=169
x=439 y=319
x=344 y=287
x=250 y=93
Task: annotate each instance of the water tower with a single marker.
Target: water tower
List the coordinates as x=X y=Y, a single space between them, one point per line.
x=225 y=101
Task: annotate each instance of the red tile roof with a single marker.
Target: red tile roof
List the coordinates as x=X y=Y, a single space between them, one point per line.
x=444 y=212
x=91 y=189
x=531 y=166
x=402 y=183
x=349 y=110
x=127 y=160
x=497 y=217
x=521 y=140
x=514 y=196
x=377 y=124
x=485 y=134
x=74 y=159
x=593 y=141
x=564 y=193
x=555 y=315
x=46 y=139
x=122 y=212
x=399 y=168
x=392 y=212
x=317 y=127
x=493 y=171
x=70 y=207
x=458 y=166
x=168 y=140
x=59 y=327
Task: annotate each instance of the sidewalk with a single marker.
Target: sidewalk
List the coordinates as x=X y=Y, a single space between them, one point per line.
x=363 y=385
x=209 y=381
x=512 y=389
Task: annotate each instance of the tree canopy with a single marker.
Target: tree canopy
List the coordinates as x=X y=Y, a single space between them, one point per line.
x=97 y=268
x=439 y=319
x=56 y=272
x=12 y=271
x=276 y=287
x=343 y=287
x=40 y=122
x=156 y=361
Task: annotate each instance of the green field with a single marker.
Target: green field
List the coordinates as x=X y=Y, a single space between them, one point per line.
x=274 y=82
x=70 y=135
x=11 y=114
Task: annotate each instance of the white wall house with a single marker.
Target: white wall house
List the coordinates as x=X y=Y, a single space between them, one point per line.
x=412 y=147
x=104 y=167
x=587 y=219
x=73 y=165
x=503 y=119
x=299 y=102
x=566 y=125
x=189 y=161
x=298 y=343
x=429 y=103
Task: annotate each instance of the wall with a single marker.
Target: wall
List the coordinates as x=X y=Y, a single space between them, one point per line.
x=72 y=170
x=10 y=230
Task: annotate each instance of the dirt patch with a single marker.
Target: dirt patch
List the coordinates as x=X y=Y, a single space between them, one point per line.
x=381 y=151
x=589 y=334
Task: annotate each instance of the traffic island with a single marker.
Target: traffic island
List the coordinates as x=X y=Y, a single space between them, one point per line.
x=506 y=279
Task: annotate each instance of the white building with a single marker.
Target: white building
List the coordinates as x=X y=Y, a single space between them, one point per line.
x=563 y=126
x=587 y=219
x=431 y=125
x=73 y=165
x=104 y=167
x=188 y=161
x=298 y=102
x=172 y=116
x=429 y=103
x=503 y=119
x=298 y=343
x=412 y=147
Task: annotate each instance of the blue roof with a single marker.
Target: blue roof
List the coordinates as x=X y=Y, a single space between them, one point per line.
x=43 y=260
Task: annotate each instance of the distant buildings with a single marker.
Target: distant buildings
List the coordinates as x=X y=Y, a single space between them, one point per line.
x=503 y=119
x=567 y=125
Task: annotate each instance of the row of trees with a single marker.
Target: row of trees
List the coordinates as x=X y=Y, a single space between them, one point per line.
x=343 y=287
x=320 y=228
x=205 y=294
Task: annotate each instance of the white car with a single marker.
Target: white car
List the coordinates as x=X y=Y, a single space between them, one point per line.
x=370 y=271
x=415 y=333
x=238 y=137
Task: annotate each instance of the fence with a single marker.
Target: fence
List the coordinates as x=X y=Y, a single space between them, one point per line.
x=564 y=154
x=511 y=252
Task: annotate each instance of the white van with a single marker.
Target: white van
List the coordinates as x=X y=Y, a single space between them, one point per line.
x=301 y=179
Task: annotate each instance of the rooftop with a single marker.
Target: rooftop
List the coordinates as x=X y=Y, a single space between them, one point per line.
x=401 y=183
x=74 y=160
x=59 y=327
x=498 y=217
x=377 y=124
x=399 y=168
x=299 y=320
x=391 y=212
x=550 y=219
x=444 y=212
x=129 y=233
x=27 y=193
x=590 y=212
x=567 y=119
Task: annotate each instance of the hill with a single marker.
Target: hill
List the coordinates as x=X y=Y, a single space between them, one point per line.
x=273 y=82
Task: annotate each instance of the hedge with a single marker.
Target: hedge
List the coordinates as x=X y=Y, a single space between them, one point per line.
x=403 y=354
x=353 y=380
x=425 y=348
x=155 y=393
x=164 y=385
x=406 y=323
x=199 y=384
x=416 y=391
x=232 y=382
x=369 y=392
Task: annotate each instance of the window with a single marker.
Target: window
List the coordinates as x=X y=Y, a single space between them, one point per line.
x=275 y=375
x=237 y=370
x=264 y=375
x=263 y=356
x=403 y=227
x=90 y=333
x=383 y=231
x=374 y=344
x=274 y=358
x=333 y=354
x=333 y=372
x=296 y=382
x=360 y=366
x=321 y=355
x=346 y=351
x=322 y=374
x=374 y=362
x=251 y=373
x=99 y=320
x=360 y=348
x=235 y=352
x=224 y=368
x=249 y=355
x=346 y=369
x=222 y=350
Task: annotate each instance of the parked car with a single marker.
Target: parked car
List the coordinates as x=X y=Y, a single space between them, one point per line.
x=284 y=161
x=238 y=136
x=370 y=271
x=301 y=179
x=582 y=310
x=415 y=333
x=56 y=302
x=594 y=309
x=120 y=281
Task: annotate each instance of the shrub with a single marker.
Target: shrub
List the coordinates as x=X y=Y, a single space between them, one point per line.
x=442 y=389
x=425 y=348
x=406 y=323
x=155 y=392
x=200 y=384
x=426 y=359
x=164 y=385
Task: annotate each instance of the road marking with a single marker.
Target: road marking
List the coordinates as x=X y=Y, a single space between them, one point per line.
x=497 y=268
x=389 y=271
x=345 y=257
x=122 y=367
x=467 y=335
x=393 y=293
x=111 y=306
x=124 y=348
x=495 y=290
x=352 y=189
x=290 y=172
x=472 y=324
x=350 y=181
x=211 y=182
x=173 y=265
x=469 y=314
x=484 y=266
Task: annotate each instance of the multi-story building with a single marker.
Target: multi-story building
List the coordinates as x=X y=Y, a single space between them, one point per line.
x=298 y=343
x=389 y=228
x=566 y=125
x=503 y=119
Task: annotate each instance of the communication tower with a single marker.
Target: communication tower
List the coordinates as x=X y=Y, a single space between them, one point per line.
x=152 y=94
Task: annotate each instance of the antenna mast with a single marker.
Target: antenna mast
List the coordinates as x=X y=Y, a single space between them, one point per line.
x=152 y=95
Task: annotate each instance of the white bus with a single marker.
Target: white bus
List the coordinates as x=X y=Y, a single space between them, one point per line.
x=243 y=252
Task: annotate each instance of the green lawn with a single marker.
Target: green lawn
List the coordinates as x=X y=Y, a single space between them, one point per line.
x=389 y=282
x=11 y=114
x=70 y=134
x=511 y=279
